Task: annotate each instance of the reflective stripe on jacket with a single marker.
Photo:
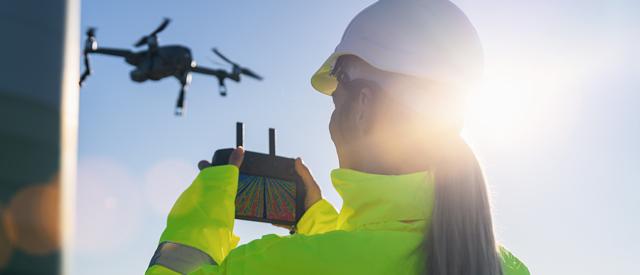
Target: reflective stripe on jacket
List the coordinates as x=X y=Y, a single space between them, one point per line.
x=379 y=230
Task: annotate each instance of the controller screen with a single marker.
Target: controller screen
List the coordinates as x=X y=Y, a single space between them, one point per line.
x=266 y=198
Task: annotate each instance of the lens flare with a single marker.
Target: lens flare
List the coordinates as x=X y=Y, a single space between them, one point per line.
x=31 y=219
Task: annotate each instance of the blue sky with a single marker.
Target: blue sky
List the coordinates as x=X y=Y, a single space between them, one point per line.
x=555 y=125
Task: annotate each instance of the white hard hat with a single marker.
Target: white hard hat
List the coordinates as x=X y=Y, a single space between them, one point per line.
x=428 y=39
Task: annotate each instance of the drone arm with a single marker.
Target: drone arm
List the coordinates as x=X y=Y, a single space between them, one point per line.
x=221 y=75
x=112 y=51
x=214 y=72
x=106 y=51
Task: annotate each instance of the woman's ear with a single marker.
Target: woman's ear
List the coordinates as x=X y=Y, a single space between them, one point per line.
x=365 y=111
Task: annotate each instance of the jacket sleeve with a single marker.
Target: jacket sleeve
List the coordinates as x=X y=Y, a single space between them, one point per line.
x=202 y=219
x=200 y=224
x=512 y=265
x=284 y=253
x=321 y=217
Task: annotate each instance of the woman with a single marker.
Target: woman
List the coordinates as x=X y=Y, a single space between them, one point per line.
x=414 y=198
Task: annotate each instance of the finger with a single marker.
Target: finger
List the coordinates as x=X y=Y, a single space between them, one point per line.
x=203 y=164
x=237 y=156
x=304 y=173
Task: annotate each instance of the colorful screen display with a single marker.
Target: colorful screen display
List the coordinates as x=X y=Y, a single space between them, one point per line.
x=266 y=198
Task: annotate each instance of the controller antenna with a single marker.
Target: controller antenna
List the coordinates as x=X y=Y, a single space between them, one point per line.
x=272 y=142
x=239 y=134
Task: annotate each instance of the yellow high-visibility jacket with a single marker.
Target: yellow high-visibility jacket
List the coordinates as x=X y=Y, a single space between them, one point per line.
x=379 y=230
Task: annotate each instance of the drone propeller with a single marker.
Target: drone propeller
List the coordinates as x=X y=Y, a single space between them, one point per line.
x=237 y=68
x=163 y=25
x=145 y=39
x=214 y=62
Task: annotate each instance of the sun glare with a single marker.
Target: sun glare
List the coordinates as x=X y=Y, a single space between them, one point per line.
x=519 y=100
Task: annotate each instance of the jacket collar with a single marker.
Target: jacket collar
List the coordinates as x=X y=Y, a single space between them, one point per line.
x=370 y=199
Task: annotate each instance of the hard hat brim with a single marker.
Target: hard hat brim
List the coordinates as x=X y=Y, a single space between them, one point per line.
x=322 y=80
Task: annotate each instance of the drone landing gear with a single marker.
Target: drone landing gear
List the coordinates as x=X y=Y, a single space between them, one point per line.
x=222 y=88
x=185 y=80
x=87 y=70
x=90 y=45
x=180 y=102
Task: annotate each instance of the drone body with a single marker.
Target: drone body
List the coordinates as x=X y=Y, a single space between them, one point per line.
x=158 y=62
x=166 y=61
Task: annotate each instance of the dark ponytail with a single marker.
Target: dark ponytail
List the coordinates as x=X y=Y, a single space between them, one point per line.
x=460 y=239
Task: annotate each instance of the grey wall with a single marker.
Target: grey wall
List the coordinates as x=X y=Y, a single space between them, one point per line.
x=38 y=121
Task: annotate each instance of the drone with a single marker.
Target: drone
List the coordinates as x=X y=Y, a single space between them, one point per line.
x=158 y=62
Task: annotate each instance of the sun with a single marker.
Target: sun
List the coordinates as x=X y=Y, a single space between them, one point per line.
x=519 y=100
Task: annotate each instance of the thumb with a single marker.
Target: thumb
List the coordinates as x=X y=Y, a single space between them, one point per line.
x=237 y=156
x=304 y=173
x=313 y=190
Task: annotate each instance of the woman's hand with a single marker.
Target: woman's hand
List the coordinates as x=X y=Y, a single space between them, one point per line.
x=235 y=158
x=313 y=190
x=313 y=194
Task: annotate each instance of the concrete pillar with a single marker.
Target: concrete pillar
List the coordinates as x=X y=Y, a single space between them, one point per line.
x=40 y=57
